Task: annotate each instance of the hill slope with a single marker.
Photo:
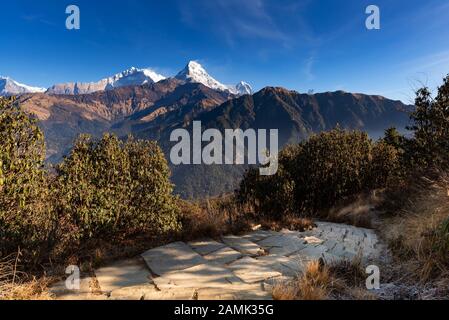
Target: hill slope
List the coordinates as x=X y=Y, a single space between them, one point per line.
x=295 y=115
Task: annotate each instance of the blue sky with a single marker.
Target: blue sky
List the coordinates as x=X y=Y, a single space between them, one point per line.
x=298 y=44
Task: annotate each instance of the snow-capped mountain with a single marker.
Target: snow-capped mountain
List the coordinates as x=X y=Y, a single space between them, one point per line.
x=130 y=77
x=242 y=88
x=9 y=87
x=194 y=72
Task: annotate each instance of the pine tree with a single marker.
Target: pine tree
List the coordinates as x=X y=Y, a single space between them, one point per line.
x=431 y=127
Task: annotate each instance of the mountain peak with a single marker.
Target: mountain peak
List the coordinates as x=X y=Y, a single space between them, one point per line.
x=243 y=88
x=194 y=64
x=10 y=87
x=194 y=72
x=130 y=77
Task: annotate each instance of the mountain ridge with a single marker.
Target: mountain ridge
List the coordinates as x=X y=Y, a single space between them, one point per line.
x=193 y=72
x=129 y=77
x=10 y=87
x=154 y=110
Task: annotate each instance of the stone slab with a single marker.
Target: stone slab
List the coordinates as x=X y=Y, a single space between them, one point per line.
x=251 y=270
x=123 y=274
x=133 y=292
x=175 y=294
x=259 y=235
x=330 y=258
x=206 y=246
x=223 y=256
x=149 y=292
x=310 y=253
x=172 y=257
x=313 y=240
x=243 y=245
x=60 y=291
x=283 y=244
x=297 y=264
x=235 y=292
x=279 y=264
x=81 y=297
x=208 y=275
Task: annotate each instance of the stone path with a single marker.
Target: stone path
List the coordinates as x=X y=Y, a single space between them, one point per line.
x=235 y=268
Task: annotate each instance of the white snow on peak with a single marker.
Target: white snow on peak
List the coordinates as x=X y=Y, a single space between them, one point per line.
x=131 y=77
x=194 y=72
x=9 y=87
x=242 y=88
x=136 y=75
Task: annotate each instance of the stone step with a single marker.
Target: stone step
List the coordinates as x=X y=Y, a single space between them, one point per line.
x=236 y=268
x=207 y=275
x=235 y=292
x=223 y=256
x=243 y=245
x=251 y=270
x=206 y=246
x=123 y=274
x=172 y=257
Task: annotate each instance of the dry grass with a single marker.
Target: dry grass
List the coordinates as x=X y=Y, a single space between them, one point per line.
x=342 y=280
x=16 y=285
x=357 y=211
x=419 y=232
x=288 y=222
x=350 y=271
x=213 y=218
x=317 y=283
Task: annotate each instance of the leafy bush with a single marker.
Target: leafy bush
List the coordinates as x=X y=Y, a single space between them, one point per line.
x=25 y=218
x=318 y=173
x=111 y=188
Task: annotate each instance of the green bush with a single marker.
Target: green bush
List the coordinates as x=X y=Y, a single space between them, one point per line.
x=25 y=218
x=320 y=172
x=109 y=189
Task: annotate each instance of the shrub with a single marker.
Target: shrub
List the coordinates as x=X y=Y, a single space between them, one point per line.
x=104 y=190
x=332 y=165
x=319 y=173
x=112 y=189
x=271 y=195
x=385 y=166
x=25 y=218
